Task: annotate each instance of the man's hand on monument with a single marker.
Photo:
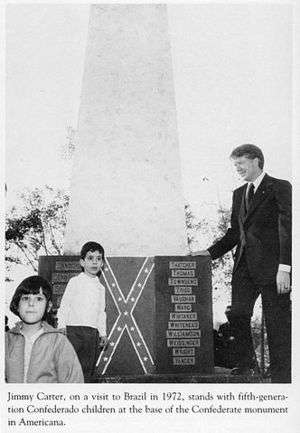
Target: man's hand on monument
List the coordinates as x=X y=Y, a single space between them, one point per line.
x=200 y=253
x=283 y=282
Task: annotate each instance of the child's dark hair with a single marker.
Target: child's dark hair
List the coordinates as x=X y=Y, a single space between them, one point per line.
x=91 y=246
x=33 y=285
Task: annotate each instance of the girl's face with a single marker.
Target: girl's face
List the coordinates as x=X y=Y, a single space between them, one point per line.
x=32 y=307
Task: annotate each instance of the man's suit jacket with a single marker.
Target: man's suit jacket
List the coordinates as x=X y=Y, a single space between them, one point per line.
x=263 y=234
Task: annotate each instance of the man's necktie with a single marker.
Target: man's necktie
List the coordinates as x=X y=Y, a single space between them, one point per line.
x=250 y=195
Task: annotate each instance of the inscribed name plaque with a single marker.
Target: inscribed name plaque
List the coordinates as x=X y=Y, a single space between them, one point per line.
x=158 y=312
x=184 y=341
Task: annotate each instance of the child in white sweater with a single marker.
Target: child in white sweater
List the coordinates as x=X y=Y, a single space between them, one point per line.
x=82 y=309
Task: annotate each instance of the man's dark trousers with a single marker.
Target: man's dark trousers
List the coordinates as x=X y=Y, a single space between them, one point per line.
x=278 y=323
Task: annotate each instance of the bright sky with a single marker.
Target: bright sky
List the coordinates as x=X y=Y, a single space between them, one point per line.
x=232 y=73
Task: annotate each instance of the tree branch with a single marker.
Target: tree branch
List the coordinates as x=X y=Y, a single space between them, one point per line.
x=23 y=250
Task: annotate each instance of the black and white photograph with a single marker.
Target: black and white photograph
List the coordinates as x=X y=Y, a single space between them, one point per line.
x=149 y=221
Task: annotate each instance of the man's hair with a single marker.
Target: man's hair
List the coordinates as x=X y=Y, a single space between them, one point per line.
x=91 y=246
x=32 y=286
x=249 y=151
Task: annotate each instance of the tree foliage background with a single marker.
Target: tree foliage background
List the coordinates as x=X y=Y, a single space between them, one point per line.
x=35 y=227
x=202 y=233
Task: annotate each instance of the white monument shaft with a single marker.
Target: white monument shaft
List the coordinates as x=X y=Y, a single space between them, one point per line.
x=126 y=190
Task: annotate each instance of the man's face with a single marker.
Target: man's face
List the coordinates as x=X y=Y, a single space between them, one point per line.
x=228 y=314
x=92 y=263
x=247 y=168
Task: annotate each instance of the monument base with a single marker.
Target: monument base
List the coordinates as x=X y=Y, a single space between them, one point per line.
x=159 y=314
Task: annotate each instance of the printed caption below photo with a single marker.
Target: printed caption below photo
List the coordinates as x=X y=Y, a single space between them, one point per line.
x=45 y=409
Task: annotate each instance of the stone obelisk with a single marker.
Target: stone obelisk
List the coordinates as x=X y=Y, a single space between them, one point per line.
x=127 y=195
x=126 y=190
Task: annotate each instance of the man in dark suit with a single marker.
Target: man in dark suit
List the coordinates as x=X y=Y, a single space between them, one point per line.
x=261 y=232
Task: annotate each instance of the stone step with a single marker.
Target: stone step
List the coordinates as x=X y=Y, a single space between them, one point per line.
x=221 y=375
